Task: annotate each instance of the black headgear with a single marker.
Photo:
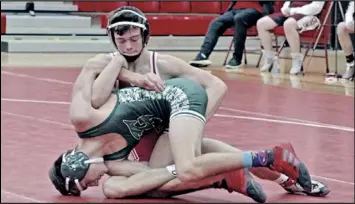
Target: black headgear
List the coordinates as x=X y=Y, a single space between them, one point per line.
x=124 y=18
x=69 y=169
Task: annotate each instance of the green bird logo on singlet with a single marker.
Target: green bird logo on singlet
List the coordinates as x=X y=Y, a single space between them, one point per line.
x=142 y=124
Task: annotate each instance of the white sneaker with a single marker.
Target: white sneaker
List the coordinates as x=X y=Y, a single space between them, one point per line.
x=297 y=59
x=349 y=73
x=318 y=189
x=32 y=13
x=268 y=60
x=295 y=81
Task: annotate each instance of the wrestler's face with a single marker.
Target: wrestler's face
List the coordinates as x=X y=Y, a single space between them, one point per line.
x=130 y=43
x=95 y=172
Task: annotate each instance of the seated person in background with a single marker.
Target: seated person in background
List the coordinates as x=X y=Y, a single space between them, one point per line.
x=239 y=18
x=30 y=8
x=343 y=30
x=295 y=17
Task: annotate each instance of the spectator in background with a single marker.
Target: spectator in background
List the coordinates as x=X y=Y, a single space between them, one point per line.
x=343 y=30
x=295 y=17
x=239 y=18
x=30 y=8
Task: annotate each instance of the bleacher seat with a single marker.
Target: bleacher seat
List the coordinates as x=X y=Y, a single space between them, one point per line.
x=104 y=21
x=3 y=23
x=160 y=25
x=205 y=7
x=190 y=25
x=146 y=7
x=86 y=6
x=175 y=7
x=193 y=25
x=108 y=6
x=240 y=4
x=98 y=6
x=55 y=6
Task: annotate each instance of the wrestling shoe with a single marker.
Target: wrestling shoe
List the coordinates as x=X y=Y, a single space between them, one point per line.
x=318 y=188
x=285 y=161
x=242 y=182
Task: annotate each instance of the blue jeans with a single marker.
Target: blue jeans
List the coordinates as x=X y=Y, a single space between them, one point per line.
x=241 y=20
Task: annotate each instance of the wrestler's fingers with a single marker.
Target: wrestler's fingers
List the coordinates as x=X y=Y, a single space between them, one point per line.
x=159 y=83
x=149 y=85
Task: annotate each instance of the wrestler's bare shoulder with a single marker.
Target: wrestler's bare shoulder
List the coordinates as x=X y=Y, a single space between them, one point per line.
x=169 y=65
x=99 y=61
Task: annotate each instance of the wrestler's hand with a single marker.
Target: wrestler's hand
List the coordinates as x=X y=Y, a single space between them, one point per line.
x=150 y=81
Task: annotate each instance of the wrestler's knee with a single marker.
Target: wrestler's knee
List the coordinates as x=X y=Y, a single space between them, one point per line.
x=112 y=190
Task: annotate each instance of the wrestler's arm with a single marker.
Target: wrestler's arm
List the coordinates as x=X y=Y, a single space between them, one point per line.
x=111 y=70
x=125 y=168
x=130 y=178
x=137 y=184
x=80 y=108
x=215 y=87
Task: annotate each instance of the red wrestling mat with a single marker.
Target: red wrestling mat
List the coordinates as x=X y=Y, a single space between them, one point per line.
x=34 y=111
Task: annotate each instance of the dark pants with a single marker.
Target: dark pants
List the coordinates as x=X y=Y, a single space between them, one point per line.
x=30 y=6
x=241 y=20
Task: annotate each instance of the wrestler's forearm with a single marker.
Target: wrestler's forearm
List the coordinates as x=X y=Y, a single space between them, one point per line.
x=128 y=76
x=103 y=84
x=137 y=184
x=125 y=168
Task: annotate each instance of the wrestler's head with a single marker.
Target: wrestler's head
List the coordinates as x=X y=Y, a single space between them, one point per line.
x=74 y=172
x=128 y=30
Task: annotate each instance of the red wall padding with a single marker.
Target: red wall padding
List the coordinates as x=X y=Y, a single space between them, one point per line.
x=3 y=23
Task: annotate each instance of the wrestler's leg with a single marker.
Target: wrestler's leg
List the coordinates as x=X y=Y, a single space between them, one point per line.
x=162 y=156
x=80 y=110
x=185 y=130
x=184 y=133
x=212 y=145
x=236 y=181
x=150 y=179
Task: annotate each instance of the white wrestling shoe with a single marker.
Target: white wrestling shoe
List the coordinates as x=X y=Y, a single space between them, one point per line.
x=318 y=189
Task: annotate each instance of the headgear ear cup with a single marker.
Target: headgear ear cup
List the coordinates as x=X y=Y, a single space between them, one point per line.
x=58 y=180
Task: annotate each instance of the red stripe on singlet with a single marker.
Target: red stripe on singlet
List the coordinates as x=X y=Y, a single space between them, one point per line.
x=153 y=60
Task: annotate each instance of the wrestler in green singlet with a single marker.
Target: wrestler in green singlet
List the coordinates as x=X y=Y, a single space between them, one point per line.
x=139 y=111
